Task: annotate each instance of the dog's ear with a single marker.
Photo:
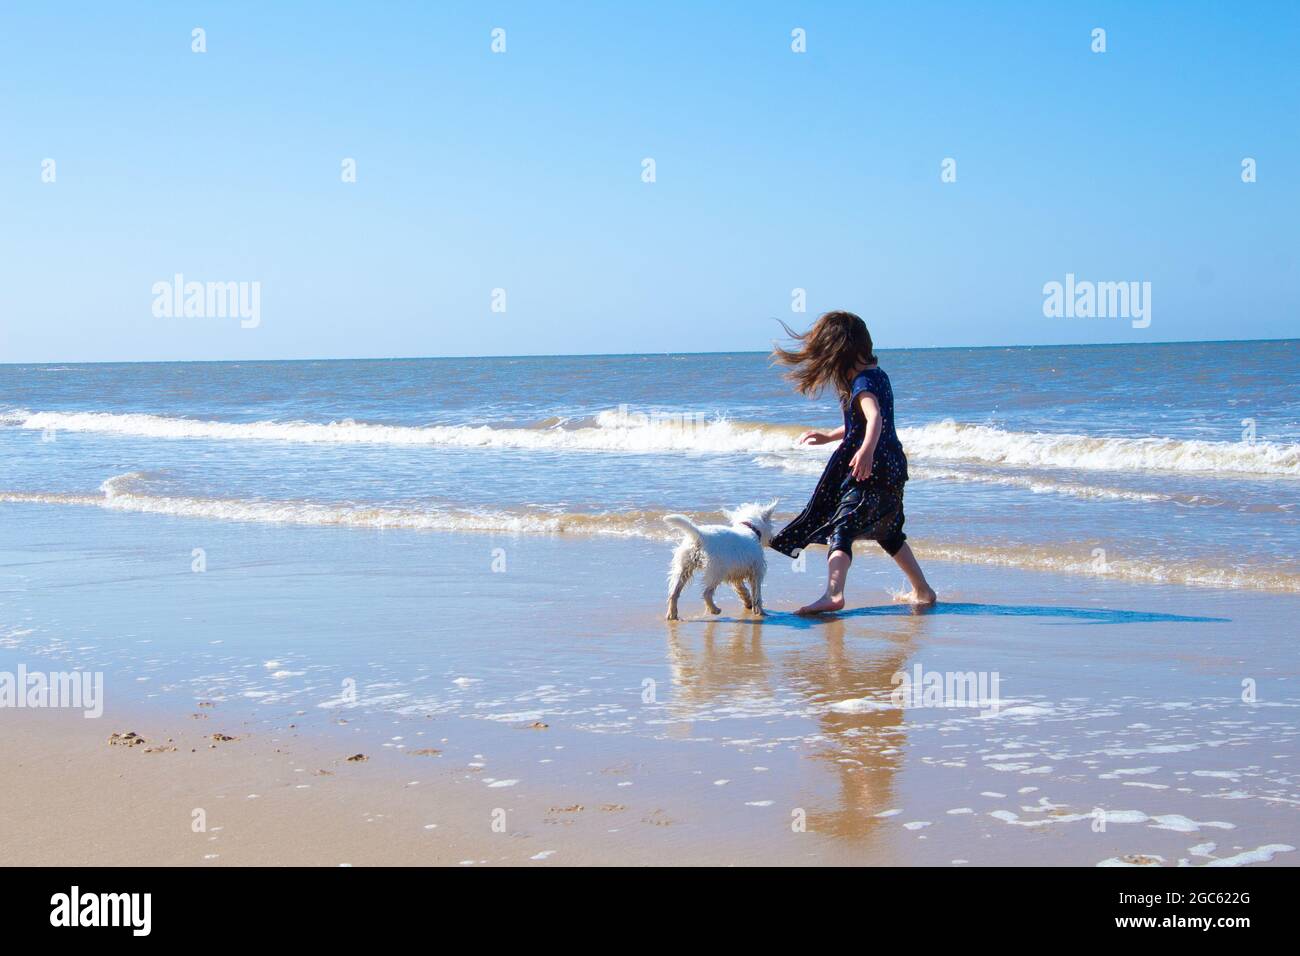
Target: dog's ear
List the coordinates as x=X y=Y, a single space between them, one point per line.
x=769 y=508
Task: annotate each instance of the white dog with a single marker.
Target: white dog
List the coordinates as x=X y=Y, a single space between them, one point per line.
x=731 y=554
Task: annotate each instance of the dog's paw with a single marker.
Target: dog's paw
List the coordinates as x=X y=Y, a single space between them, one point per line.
x=670 y=616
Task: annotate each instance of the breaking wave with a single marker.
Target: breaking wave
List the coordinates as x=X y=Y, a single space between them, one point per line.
x=614 y=431
x=123 y=493
x=952 y=441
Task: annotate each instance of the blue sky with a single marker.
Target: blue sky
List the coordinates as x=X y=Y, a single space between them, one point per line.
x=522 y=171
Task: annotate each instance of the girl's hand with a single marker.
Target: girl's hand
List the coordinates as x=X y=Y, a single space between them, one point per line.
x=814 y=438
x=860 y=464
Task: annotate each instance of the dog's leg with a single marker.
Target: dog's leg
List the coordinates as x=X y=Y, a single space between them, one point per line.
x=758 y=595
x=743 y=593
x=677 y=583
x=679 y=574
x=708 y=599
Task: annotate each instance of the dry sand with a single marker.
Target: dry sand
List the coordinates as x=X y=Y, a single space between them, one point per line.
x=73 y=797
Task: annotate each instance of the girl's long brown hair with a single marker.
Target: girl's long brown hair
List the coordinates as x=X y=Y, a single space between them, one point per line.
x=827 y=354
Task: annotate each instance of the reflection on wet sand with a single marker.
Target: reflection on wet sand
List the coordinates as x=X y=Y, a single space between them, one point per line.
x=720 y=664
x=865 y=750
x=729 y=668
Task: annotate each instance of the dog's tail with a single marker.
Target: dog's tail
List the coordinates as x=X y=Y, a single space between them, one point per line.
x=683 y=523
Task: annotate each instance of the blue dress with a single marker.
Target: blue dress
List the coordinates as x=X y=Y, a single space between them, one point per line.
x=843 y=509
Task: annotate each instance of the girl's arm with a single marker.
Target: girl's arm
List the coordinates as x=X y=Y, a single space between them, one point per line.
x=821 y=438
x=860 y=463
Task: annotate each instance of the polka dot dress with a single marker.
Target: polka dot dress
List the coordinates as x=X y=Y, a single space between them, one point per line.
x=843 y=509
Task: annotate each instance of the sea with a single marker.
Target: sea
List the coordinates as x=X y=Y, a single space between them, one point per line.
x=1168 y=463
x=1173 y=463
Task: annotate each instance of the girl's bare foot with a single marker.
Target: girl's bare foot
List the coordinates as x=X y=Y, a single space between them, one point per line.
x=823 y=605
x=920 y=596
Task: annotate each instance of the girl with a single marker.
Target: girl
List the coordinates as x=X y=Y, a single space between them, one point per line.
x=860 y=494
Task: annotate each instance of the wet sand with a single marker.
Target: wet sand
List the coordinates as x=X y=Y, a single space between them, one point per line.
x=572 y=725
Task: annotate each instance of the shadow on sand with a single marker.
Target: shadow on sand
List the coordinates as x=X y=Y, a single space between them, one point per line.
x=1071 y=615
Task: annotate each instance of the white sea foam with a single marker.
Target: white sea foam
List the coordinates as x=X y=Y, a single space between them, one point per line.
x=1260 y=854
x=1062 y=560
x=1182 y=824
x=120 y=493
x=1145 y=859
x=610 y=431
x=1038 y=484
x=954 y=441
x=614 y=431
x=1127 y=771
x=130 y=493
x=862 y=705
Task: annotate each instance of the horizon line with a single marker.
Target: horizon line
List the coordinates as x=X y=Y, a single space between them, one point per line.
x=426 y=358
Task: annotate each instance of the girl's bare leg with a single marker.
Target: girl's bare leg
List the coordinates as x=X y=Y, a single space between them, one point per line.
x=837 y=569
x=922 y=593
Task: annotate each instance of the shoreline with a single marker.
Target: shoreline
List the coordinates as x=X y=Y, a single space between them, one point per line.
x=605 y=735
x=1072 y=560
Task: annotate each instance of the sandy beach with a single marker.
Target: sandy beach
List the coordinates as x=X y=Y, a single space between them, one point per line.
x=545 y=714
x=388 y=392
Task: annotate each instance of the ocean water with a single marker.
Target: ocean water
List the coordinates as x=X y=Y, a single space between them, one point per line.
x=1171 y=463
